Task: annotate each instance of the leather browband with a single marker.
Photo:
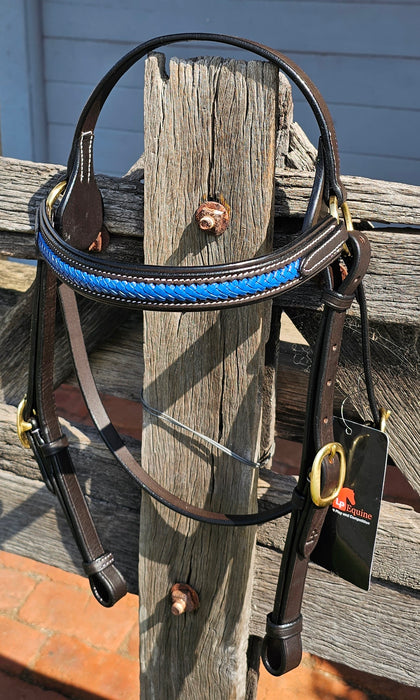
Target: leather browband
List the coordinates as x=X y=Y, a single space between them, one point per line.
x=192 y=288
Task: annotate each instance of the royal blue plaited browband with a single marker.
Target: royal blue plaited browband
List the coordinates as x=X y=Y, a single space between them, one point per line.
x=177 y=288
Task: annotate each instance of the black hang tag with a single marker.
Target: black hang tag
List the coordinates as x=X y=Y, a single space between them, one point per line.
x=347 y=539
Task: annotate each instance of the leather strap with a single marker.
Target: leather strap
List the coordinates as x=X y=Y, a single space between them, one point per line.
x=80 y=214
x=116 y=445
x=280 y=655
x=50 y=447
x=78 y=222
x=186 y=288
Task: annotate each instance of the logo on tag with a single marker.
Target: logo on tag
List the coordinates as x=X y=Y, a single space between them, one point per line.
x=346 y=503
x=346 y=545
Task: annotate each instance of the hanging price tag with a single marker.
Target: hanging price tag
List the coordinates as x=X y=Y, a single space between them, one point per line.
x=347 y=540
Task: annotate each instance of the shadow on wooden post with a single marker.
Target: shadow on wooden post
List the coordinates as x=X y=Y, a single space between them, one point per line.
x=209 y=132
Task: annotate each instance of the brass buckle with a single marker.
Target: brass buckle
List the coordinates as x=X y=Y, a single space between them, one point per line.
x=53 y=195
x=329 y=450
x=23 y=425
x=333 y=207
x=384 y=415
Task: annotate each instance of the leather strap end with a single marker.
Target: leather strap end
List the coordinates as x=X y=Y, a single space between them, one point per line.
x=282 y=646
x=107 y=583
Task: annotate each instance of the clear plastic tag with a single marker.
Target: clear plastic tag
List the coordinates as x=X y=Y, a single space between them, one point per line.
x=347 y=540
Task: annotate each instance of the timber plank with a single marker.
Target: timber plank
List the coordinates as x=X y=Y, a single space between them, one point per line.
x=396 y=374
x=32 y=525
x=375 y=631
x=103 y=481
x=98 y=320
x=219 y=116
x=24 y=184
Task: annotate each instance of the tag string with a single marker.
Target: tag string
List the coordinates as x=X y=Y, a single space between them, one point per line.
x=173 y=421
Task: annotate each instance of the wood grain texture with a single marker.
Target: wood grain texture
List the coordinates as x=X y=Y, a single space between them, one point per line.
x=204 y=368
x=98 y=320
x=392 y=280
x=396 y=376
x=32 y=524
x=379 y=629
x=102 y=480
x=23 y=184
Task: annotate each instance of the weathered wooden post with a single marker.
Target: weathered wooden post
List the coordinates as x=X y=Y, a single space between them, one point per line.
x=210 y=131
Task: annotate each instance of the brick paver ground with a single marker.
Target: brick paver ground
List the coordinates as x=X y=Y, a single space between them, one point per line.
x=56 y=642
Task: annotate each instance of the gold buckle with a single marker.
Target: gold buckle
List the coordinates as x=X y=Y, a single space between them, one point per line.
x=55 y=192
x=333 y=207
x=23 y=425
x=329 y=450
x=384 y=415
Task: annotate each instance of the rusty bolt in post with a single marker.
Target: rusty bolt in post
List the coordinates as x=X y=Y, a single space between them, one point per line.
x=212 y=217
x=184 y=599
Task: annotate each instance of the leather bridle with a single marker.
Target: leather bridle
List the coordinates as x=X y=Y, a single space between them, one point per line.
x=64 y=238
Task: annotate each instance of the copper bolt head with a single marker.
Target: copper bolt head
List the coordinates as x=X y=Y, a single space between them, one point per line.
x=212 y=217
x=184 y=599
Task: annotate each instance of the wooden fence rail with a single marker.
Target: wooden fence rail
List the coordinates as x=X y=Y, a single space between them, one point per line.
x=375 y=631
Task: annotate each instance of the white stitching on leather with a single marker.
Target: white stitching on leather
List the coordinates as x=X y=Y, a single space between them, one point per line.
x=83 y=134
x=307 y=269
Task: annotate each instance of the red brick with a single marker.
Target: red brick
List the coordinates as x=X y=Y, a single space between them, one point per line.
x=15 y=586
x=306 y=683
x=105 y=628
x=70 y=404
x=125 y=414
x=19 y=645
x=70 y=664
x=55 y=606
x=12 y=688
x=41 y=570
x=66 y=577
x=14 y=561
x=133 y=642
x=377 y=685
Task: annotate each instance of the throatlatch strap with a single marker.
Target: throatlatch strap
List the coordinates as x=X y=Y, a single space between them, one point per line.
x=282 y=645
x=115 y=443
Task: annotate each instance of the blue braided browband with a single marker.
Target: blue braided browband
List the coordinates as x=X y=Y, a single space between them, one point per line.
x=149 y=292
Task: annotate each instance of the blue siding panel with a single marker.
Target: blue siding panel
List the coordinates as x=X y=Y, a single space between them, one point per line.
x=364 y=56
x=349 y=28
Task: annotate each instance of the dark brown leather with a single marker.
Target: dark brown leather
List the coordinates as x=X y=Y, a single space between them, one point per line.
x=51 y=447
x=315 y=248
x=305 y=526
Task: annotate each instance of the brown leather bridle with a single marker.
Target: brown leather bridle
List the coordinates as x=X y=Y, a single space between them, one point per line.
x=65 y=234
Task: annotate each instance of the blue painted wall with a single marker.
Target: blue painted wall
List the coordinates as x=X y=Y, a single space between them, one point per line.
x=364 y=57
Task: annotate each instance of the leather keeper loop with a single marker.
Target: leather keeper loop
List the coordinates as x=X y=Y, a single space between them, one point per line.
x=335 y=300
x=283 y=631
x=49 y=449
x=98 y=564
